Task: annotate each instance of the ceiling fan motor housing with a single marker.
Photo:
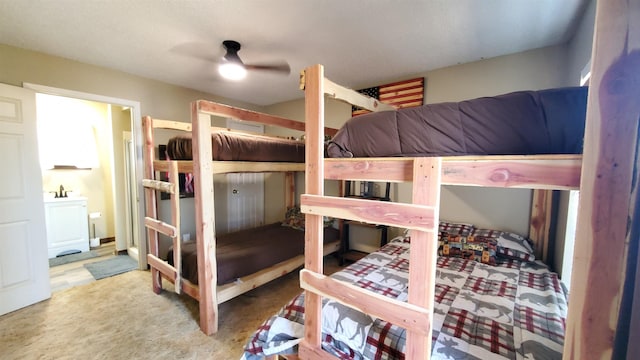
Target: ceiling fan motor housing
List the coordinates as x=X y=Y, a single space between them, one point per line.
x=232 y=48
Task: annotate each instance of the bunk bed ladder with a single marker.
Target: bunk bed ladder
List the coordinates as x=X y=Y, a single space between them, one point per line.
x=421 y=217
x=154 y=226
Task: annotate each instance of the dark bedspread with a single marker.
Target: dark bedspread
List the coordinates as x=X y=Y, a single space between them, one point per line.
x=520 y=123
x=233 y=146
x=245 y=252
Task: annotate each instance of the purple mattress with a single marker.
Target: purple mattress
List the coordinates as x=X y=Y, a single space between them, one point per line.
x=520 y=123
x=233 y=146
x=245 y=252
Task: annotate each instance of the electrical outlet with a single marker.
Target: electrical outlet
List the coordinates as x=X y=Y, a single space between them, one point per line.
x=186 y=237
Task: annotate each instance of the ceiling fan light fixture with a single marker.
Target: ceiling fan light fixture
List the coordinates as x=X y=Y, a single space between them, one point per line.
x=232 y=71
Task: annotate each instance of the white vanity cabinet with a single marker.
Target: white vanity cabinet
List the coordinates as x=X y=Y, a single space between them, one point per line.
x=67 y=225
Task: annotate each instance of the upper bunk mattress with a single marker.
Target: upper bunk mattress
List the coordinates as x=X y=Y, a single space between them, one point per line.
x=233 y=146
x=519 y=123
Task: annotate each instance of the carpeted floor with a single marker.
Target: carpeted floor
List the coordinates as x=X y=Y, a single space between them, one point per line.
x=121 y=318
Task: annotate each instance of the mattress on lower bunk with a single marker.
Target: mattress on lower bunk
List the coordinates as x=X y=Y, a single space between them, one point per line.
x=233 y=146
x=245 y=252
x=512 y=310
x=519 y=123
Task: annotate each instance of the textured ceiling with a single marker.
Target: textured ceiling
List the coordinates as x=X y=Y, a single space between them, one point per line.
x=360 y=42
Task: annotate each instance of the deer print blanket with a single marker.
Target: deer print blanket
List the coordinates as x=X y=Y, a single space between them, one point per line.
x=514 y=310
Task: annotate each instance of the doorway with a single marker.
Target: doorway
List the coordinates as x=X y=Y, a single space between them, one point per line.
x=126 y=187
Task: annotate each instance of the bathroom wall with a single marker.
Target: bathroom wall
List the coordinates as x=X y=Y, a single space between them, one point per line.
x=93 y=183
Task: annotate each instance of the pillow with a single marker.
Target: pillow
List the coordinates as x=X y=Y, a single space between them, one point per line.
x=510 y=245
x=479 y=248
x=295 y=219
x=450 y=228
x=453 y=228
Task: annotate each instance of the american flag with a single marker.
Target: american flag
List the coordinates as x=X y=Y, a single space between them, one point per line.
x=400 y=94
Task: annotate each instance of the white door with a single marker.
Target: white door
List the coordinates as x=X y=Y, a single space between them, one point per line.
x=24 y=270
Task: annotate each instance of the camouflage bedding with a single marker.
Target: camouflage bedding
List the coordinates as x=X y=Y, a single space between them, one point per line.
x=513 y=310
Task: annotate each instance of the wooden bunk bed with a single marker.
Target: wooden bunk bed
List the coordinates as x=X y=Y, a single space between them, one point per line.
x=603 y=312
x=208 y=291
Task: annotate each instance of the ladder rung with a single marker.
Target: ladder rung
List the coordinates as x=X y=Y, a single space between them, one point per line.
x=161 y=227
x=411 y=216
x=162 y=266
x=159 y=185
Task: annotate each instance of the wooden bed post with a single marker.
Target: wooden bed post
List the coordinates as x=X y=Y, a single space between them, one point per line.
x=540 y=222
x=422 y=272
x=205 y=221
x=150 y=198
x=608 y=226
x=289 y=189
x=314 y=185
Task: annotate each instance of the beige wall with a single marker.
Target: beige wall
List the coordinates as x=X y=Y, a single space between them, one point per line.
x=161 y=100
x=156 y=98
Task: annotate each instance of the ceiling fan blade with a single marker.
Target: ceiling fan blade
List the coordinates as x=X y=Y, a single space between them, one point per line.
x=283 y=68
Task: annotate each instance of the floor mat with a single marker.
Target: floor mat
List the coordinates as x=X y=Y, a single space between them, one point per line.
x=72 y=258
x=113 y=266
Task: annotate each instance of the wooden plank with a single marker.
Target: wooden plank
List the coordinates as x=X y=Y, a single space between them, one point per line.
x=185 y=126
x=205 y=220
x=158 y=185
x=216 y=109
x=171 y=125
x=525 y=173
x=369 y=169
x=515 y=171
x=309 y=352
x=160 y=226
x=224 y=167
x=314 y=184
x=184 y=166
x=609 y=179
x=418 y=217
x=162 y=266
x=408 y=316
x=540 y=223
x=186 y=287
x=289 y=189
x=150 y=198
x=353 y=97
x=175 y=220
x=424 y=253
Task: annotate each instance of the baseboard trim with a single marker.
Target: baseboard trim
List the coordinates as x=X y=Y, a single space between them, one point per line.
x=107 y=239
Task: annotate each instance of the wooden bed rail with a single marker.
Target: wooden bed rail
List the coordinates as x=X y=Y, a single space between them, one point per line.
x=216 y=109
x=558 y=172
x=347 y=95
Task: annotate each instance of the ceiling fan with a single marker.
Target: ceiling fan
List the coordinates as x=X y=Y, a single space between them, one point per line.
x=233 y=68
